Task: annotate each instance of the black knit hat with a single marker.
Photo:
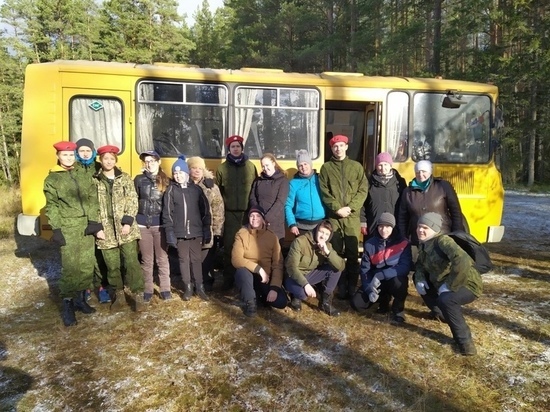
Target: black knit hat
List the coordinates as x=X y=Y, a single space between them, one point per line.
x=257 y=209
x=84 y=142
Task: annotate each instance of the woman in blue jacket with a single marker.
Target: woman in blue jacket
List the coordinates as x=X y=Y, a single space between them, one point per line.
x=304 y=209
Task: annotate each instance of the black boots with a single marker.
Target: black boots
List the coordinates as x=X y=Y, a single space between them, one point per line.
x=325 y=304
x=295 y=304
x=188 y=292
x=67 y=314
x=250 y=308
x=81 y=304
x=201 y=293
x=467 y=348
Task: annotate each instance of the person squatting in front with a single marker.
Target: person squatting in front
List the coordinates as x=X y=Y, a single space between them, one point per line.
x=385 y=265
x=312 y=261
x=187 y=222
x=446 y=280
x=258 y=260
x=71 y=208
x=118 y=207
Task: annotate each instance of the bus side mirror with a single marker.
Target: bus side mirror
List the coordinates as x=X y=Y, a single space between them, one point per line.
x=452 y=101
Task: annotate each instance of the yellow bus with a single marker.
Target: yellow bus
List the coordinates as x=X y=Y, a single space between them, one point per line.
x=176 y=109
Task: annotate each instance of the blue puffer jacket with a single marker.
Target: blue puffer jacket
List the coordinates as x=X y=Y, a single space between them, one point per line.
x=304 y=200
x=390 y=257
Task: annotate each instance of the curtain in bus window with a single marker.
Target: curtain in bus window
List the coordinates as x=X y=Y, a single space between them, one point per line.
x=98 y=119
x=244 y=116
x=312 y=121
x=145 y=119
x=398 y=125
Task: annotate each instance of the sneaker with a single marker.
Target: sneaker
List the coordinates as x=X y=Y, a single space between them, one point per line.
x=104 y=296
x=250 y=309
x=167 y=295
x=88 y=295
x=147 y=297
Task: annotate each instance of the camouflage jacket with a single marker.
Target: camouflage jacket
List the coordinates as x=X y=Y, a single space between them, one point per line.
x=217 y=208
x=69 y=195
x=118 y=205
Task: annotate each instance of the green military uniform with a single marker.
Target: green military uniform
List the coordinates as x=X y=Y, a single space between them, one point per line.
x=343 y=183
x=235 y=182
x=71 y=202
x=118 y=205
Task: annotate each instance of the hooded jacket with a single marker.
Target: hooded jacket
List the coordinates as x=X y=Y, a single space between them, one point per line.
x=303 y=202
x=270 y=193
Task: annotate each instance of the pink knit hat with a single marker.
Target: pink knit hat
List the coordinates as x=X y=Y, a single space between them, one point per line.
x=384 y=157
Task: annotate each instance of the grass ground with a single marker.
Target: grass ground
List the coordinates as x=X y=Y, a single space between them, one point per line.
x=206 y=356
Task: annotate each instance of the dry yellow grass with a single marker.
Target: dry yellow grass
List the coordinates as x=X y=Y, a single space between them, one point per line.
x=206 y=356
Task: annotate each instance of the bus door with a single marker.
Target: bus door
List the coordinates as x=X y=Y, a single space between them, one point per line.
x=359 y=121
x=104 y=117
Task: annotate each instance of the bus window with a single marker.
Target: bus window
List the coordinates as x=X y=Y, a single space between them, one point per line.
x=278 y=120
x=177 y=117
x=458 y=135
x=98 y=119
x=398 y=125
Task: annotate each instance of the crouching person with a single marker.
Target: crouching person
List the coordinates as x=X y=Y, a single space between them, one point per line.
x=312 y=261
x=446 y=279
x=385 y=265
x=258 y=261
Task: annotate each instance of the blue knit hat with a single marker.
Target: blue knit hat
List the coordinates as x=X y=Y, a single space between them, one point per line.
x=180 y=165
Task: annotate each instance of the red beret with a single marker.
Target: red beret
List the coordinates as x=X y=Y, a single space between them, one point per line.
x=65 y=146
x=234 y=138
x=108 y=149
x=337 y=139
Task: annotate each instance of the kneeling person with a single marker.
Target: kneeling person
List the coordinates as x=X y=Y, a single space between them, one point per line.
x=258 y=259
x=310 y=261
x=446 y=278
x=385 y=266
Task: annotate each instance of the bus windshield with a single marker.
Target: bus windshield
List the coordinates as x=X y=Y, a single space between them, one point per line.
x=444 y=135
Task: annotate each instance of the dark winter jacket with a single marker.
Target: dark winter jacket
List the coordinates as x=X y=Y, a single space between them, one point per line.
x=453 y=266
x=186 y=212
x=235 y=181
x=439 y=197
x=150 y=200
x=383 y=197
x=270 y=193
x=389 y=257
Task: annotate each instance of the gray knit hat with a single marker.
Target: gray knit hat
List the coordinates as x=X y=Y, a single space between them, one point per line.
x=387 y=219
x=303 y=156
x=432 y=220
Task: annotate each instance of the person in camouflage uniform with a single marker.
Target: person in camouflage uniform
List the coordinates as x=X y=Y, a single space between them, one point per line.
x=86 y=165
x=118 y=207
x=234 y=177
x=343 y=191
x=204 y=178
x=71 y=208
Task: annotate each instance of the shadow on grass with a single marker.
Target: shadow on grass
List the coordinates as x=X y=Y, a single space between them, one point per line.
x=14 y=383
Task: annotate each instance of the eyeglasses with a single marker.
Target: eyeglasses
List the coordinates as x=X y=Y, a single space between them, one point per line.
x=150 y=161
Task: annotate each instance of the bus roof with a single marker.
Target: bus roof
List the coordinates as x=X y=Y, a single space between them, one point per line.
x=258 y=75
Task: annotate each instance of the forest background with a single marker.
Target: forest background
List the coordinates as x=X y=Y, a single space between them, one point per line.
x=505 y=42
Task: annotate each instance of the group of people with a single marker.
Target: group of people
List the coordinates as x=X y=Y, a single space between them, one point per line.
x=94 y=206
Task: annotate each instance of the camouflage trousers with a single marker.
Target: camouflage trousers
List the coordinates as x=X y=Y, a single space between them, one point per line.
x=133 y=276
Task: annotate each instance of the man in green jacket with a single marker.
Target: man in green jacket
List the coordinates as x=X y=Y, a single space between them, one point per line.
x=446 y=278
x=344 y=190
x=310 y=261
x=234 y=177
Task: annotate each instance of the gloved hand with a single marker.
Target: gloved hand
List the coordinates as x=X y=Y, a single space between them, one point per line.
x=93 y=228
x=442 y=289
x=374 y=286
x=206 y=236
x=58 y=237
x=171 y=239
x=422 y=287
